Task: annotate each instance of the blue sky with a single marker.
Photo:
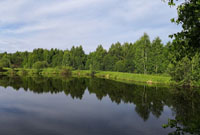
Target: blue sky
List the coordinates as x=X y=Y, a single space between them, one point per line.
x=29 y=24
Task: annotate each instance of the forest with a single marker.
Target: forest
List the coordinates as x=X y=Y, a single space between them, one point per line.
x=142 y=57
x=139 y=57
x=179 y=58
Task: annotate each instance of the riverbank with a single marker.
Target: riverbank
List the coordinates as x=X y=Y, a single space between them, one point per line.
x=116 y=76
x=129 y=77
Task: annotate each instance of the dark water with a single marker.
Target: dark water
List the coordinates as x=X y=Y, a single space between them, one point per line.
x=80 y=106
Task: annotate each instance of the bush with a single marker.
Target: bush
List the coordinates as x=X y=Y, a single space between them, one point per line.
x=186 y=71
x=40 y=65
x=66 y=71
x=92 y=73
x=4 y=62
x=22 y=72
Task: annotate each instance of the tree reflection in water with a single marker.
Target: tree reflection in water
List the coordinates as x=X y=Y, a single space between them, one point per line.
x=148 y=100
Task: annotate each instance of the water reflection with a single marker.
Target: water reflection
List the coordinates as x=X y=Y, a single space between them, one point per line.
x=147 y=101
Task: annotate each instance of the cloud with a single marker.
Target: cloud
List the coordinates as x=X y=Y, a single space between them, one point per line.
x=29 y=24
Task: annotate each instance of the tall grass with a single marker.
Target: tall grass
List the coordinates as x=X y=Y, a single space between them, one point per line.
x=118 y=76
x=135 y=77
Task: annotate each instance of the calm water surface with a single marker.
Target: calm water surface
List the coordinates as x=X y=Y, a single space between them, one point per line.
x=80 y=106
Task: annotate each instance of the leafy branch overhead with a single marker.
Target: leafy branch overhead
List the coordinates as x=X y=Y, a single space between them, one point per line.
x=187 y=41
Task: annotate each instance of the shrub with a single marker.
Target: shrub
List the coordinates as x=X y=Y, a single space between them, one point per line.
x=40 y=65
x=66 y=71
x=185 y=71
x=4 y=62
x=22 y=72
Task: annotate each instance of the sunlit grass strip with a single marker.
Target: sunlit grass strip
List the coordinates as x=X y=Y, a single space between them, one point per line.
x=143 y=78
x=117 y=76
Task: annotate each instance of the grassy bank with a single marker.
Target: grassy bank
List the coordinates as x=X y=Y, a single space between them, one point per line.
x=117 y=76
x=131 y=77
x=127 y=77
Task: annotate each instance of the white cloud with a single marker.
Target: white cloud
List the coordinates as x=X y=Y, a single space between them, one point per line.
x=29 y=24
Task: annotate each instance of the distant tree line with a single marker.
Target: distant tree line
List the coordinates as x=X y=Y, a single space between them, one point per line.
x=143 y=56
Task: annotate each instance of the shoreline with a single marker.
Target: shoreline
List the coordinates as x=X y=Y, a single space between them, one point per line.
x=145 y=79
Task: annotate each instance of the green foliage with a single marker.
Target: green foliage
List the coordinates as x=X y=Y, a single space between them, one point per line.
x=12 y=72
x=5 y=62
x=184 y=67
x=143 y=57
x=186 y=71
x=66 y=58
x=181 y=71
x=16 y=60
x=174 y=124
x=77 y=58
x=142 y=54
x=140 y=57
x=109 y=62
x=40 y=65
x=66 y=71
x=92 y=71
x=180 y=130
x=157 y=57
x=120 y=66
x=135 y=77
x=195 y=63
x=95 y=59
x=22 y=72
x=57 y=58
x=187 y=41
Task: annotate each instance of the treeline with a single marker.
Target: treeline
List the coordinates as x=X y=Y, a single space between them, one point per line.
x=143 y=56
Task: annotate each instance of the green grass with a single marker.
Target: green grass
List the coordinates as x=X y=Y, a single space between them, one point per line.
x=128 y=77
x=117 y=76
x=131 y=77
x=81 y=72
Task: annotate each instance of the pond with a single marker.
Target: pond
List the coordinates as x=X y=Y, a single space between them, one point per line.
x=91 y=106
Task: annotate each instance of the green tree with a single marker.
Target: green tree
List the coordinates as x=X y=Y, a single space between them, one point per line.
x=116 y=51
x=95 y=59
x=109 y=62
x=5 y=62
x=47 y=57
x=57 y=58
x=40 y=64
x=182 y=71
x=66 y=58
x=16 y=60
x=187 y=41
x=77 y=58
x=120 y=66
x=142 y=52
x=156 y=56
x=196 y=67
x=128 y=53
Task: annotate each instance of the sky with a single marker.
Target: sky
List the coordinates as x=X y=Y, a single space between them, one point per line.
x=30 y=24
